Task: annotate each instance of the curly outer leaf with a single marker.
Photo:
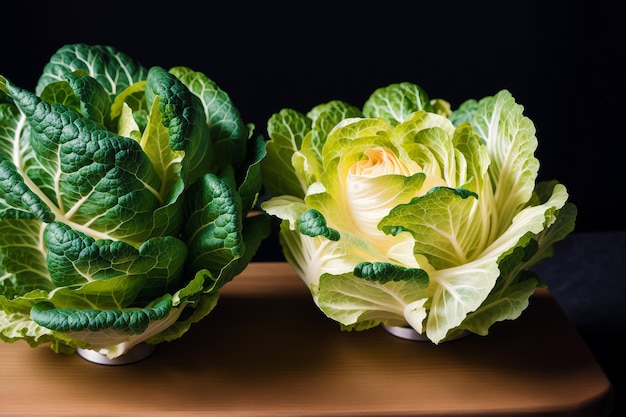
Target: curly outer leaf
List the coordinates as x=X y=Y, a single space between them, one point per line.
x=312 y=223
x=47 y=131
x=61 y=92
x=74 y=259
x=227 y=131
x=104 y=179
x=95 y=103
x=202 y=307
x=452 y=211
x=114 y=70
x=14 y=193
x=325 y=117
x=384 y=272
x=465 y=112
x=287 y=130
x=396 y=101
x=359 y=304
x=213 y=228
x=132 y=321
x=175 y=103
x=255 y=229
x=511 y=141
x=183 y=115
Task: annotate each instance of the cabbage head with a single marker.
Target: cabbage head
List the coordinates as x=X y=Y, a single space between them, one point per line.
x=127 y=199
x=406 y=213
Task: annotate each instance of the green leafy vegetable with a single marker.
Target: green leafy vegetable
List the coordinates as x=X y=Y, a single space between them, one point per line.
x=127 y=199
x=408 y=213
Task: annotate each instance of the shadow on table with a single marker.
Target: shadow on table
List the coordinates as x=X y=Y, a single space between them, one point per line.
x=587 y=277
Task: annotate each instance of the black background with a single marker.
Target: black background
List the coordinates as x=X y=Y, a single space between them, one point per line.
x=563 y=61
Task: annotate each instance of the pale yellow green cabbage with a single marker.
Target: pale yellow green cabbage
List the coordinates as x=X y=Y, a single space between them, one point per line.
x=406 y=213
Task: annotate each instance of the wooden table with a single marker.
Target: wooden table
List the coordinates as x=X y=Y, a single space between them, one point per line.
x=266 y=350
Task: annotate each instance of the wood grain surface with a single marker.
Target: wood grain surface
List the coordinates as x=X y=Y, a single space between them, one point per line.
x=266 y=350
